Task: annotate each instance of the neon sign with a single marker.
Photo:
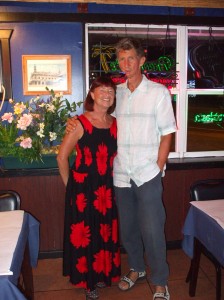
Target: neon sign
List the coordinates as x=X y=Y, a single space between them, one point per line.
x=162 y=64
x=209 y=118
x=103 y=52
x=168 y=79
x=161 y=70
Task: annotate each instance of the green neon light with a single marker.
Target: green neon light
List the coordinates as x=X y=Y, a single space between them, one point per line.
x=209 y=118
x=114 y=66
x=162 y=64
x=105 y=53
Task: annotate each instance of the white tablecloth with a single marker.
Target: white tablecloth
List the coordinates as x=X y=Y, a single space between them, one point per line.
x=10 y=228
x=213 y=208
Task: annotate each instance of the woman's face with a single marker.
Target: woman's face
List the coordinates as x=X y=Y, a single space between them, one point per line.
x=103 y=96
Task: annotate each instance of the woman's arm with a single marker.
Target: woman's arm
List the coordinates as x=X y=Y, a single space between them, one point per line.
x=65 y=149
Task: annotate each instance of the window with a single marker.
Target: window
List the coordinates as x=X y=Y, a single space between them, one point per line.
x=205 y=97
x=205 y=123
x=188 y=60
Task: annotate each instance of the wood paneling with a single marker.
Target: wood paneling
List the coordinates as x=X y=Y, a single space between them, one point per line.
x=43 y=197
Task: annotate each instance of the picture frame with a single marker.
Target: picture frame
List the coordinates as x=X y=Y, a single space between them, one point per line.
x=41 y=71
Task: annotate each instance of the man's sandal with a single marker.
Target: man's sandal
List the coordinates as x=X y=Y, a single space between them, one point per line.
x=127 y=279
x=165 y=295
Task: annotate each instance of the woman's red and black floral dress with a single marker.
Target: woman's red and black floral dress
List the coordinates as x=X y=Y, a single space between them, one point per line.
x=91 y=244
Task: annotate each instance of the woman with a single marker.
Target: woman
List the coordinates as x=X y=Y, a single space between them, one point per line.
x=91 y=249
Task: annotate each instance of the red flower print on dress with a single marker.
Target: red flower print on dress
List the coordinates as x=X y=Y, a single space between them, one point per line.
x=103 y=262
x=113 y=129
x=101 y=159
x=79 y=177
x=78 y=156
x=80 y=235
x=82 y=265
x=103 y=201
x=88 y=126
x=105 y=232
x=81 y=202
x=117 y=259
x=115 y=279
x=81 y=284
x=114 y=231
x=88 y=156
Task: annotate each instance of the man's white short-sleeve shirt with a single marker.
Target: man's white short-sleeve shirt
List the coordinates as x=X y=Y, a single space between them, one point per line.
x=143 y=116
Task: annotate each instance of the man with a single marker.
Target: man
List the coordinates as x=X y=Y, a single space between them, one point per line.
x=145 y=122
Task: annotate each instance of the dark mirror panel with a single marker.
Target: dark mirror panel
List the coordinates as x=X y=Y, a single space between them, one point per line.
x=205 y=59
x=5 y=64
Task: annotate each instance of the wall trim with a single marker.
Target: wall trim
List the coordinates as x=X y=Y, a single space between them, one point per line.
x=171 y=3
x=111 y=18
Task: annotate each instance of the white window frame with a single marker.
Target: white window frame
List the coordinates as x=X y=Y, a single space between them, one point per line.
x=181 y=91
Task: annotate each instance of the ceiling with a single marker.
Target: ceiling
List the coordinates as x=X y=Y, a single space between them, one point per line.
x=170 y=3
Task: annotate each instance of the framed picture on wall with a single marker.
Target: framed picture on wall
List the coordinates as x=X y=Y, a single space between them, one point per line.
x=41 y=71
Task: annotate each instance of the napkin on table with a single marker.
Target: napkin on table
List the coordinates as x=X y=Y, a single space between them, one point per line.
x=10 y=228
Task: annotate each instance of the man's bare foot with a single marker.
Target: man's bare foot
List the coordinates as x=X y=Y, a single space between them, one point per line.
x=129 y=280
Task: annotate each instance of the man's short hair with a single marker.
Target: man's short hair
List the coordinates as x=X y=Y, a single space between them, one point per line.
x=128 y=44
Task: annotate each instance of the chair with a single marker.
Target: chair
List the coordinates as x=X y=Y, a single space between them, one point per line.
x=210 y=189
x=9 y=200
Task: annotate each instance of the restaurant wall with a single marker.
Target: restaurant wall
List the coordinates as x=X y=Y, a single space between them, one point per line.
x=42 y=193
x=45 y=38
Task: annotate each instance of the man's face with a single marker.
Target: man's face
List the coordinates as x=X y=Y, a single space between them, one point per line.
x=130 y=63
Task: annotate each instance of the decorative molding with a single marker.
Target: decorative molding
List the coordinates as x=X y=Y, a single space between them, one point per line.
x=10 y=17
x=170 y=3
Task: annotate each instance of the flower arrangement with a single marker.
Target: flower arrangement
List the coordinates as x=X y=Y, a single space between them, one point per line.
x=35 y=127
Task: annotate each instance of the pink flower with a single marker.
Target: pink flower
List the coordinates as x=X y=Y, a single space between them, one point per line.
x=26 y=143
x=24 y=121
x=7 y=117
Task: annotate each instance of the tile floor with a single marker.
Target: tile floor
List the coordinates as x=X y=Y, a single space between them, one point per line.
x=49 y=284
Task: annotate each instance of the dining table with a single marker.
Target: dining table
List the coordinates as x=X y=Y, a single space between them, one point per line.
x=203 y=227
x=19 y=248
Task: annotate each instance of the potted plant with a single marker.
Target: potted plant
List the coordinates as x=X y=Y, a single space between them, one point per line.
x=34 y=128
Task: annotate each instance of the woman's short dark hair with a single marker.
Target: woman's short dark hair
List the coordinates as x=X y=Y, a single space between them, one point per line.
x=100 y=81
x=130 y=43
